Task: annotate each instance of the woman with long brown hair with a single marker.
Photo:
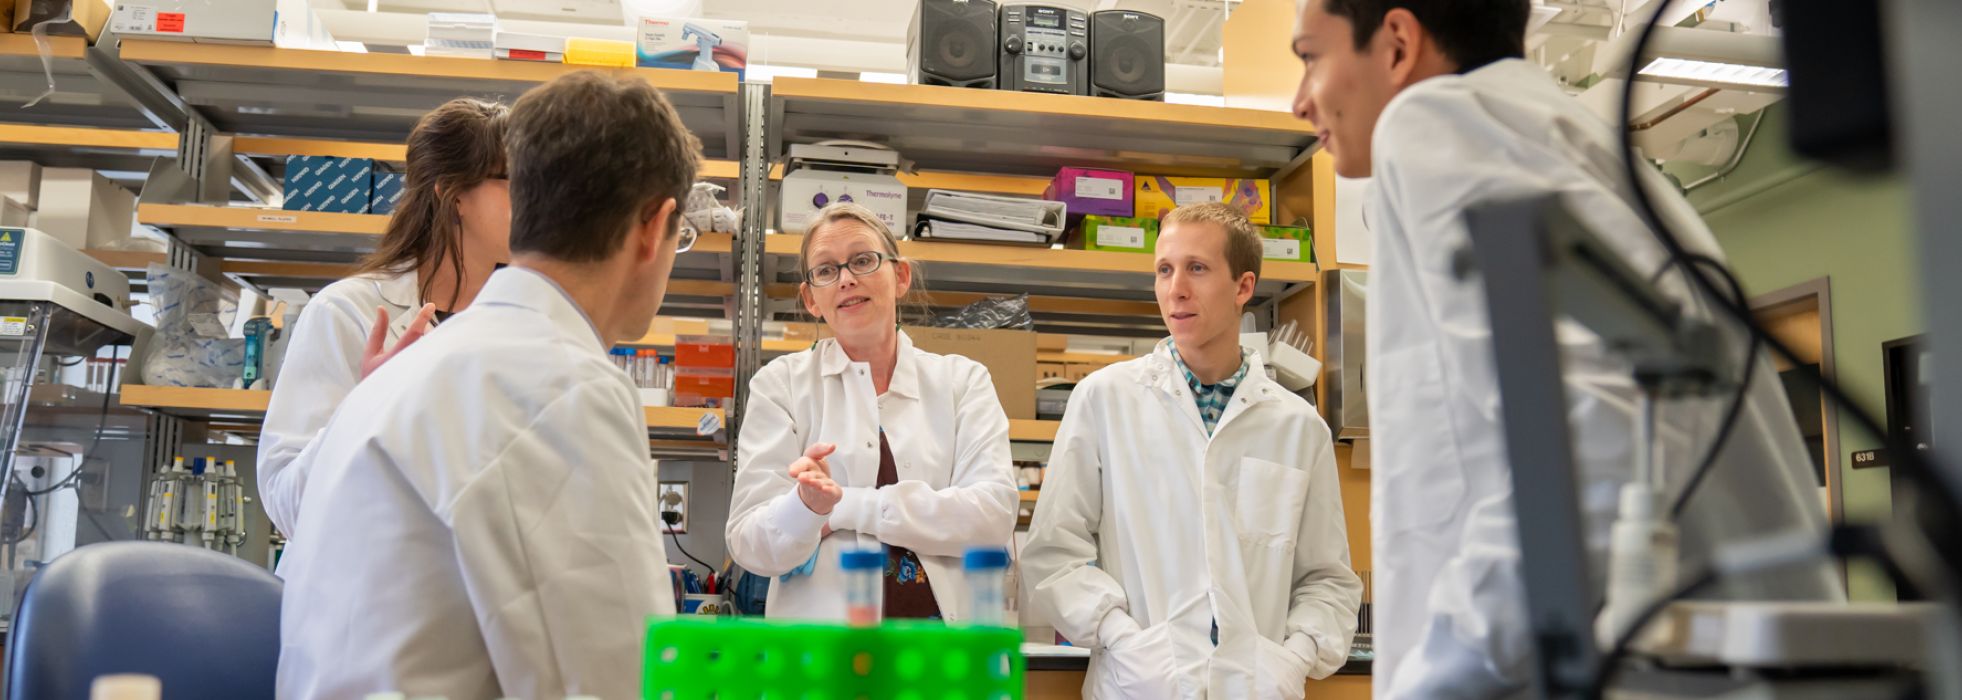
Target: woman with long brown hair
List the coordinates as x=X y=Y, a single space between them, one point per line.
x=451 y=229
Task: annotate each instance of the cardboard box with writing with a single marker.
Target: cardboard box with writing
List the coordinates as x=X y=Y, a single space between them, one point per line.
x=1009 y=356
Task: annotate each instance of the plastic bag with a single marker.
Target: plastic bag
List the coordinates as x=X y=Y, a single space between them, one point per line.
x=707 y=214
x=1010 y=312
x=192 y=346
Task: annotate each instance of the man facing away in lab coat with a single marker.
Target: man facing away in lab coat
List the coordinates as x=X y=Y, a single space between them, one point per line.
x=482 y=507
x=1190 y=529
x=1433 y=101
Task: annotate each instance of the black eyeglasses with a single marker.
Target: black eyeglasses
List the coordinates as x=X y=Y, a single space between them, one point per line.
x=861 y=264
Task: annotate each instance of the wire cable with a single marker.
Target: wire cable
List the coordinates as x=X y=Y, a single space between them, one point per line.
x=1738 y=400
x=684 y=552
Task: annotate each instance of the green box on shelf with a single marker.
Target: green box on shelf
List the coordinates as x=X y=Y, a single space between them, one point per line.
x=1296 y=244
x=738 y=659
x=1120 y=234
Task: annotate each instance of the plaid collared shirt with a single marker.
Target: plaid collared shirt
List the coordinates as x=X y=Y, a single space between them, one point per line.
x=1212 y=398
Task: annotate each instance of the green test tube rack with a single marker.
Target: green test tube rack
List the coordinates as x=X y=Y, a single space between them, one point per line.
x=737 y=659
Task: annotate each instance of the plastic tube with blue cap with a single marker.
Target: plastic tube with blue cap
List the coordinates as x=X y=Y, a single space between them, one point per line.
x=865 y=585
x=986 y=569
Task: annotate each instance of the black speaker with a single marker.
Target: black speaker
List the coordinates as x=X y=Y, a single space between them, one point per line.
x=952 y=42
x=1127 y=55
x=1045 y=49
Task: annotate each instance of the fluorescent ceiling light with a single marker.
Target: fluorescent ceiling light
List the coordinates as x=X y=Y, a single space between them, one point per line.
x=887 y=78
x=1187 y=98
x=1713 y=73
x=763 y=74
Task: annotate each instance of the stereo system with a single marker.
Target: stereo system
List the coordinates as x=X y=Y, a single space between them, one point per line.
x=1037 y=48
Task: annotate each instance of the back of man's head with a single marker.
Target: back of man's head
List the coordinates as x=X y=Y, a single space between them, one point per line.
x=591 y=156
x=1472 y=33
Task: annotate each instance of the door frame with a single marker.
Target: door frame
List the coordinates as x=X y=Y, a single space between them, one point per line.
x=1819 y=290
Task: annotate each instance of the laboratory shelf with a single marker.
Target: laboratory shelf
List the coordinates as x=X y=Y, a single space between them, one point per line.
x=992 y=131
x=1071 y=291
x=81 y=97
x=249 y=405
x=379 y=96
x=122 y=155
x=1021 y=430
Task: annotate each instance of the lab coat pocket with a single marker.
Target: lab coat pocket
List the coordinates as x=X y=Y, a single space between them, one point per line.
x=1268 y=499
x=1279 y=673
x=1141 y=666
x=1417 y=463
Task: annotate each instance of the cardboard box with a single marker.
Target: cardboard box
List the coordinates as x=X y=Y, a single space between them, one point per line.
x=1158 y=195
x=1120 y=235
x=1088 y=191
x=1052 y=342
x=329 y=184
x=84 y=209
x=1294 y=244
x=387 y=192
x=282 y=23
x=604 y=53
x=71 y=17
x=1076 y=371
x=1008 y=355
x=693 y=352
x=693 y=44
x=1050 y=370
x=21 y=180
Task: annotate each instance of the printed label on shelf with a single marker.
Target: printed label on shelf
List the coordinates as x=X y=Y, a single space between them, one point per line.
x=1099 y=188
x=134 y=19
x=1281 y=248
x=278 y=219
x=709 y=423
x=1188 y=196
x=13 y=325
x=1120 y=237
x=170 y=22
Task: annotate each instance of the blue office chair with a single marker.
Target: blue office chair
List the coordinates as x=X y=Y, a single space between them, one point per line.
x=205 y=623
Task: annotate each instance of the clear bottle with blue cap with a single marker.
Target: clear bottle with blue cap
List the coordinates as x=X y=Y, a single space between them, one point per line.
x=865 y=585
x=986 y=569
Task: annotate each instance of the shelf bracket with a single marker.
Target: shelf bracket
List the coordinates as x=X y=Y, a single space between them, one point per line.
x=748 y=253
x=156 y=101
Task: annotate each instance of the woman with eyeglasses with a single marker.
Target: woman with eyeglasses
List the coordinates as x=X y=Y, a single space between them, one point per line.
x=865 y=441
x=450 y=230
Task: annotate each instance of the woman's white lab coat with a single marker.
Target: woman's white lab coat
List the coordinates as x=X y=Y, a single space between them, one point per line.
x=949 y=441
x=1149 y=531
x=1448 y=612
x=323 y=363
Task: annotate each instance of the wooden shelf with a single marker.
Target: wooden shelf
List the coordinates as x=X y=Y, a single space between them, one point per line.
x=1020 y=430
x=22 y=45
x=378 y=96
x=968 y=130
x=1030 y=496
x=1037 y=258
x=259 y=219
x=394 y=152
x=1082 y=358
x=192 y=402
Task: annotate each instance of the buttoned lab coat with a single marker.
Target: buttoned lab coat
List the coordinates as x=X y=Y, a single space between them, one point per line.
x=1149 y=531
x=481 y=517
x=1449 y=621
x=323 y=363
x=949 y=440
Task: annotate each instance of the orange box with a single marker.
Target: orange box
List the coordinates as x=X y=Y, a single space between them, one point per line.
x=704 y=351
x=703 y=388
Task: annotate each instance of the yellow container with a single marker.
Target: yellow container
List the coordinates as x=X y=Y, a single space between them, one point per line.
x=1158 y=195
x=603 y=53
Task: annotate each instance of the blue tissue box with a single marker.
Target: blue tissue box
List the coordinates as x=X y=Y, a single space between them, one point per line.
x=325 y=183
x=388 y=191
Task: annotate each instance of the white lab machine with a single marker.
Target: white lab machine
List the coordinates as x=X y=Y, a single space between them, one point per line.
x=69 y=455
x=818 y=175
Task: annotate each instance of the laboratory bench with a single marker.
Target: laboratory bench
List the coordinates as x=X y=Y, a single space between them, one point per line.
x=1054 y=677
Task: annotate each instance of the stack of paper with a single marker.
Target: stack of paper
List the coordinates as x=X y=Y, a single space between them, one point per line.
x=979 y=217
x=461 y=35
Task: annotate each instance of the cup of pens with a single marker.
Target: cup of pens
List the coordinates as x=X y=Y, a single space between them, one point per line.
x=703 y=604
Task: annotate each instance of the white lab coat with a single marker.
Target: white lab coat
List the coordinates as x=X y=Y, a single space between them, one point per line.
x=1450 y=621
x=323 y=363
x=1148 y=532
x=481 y=517
x=949 y=442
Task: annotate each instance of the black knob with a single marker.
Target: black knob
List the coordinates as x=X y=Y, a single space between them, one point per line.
x=1014 y=44
x=1077 y=51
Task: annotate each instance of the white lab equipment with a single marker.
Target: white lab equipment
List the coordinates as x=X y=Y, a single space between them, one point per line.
x=986 y=569
x=322 y=364
x=1449 y=621
x=201 y=505
x=865 y=585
